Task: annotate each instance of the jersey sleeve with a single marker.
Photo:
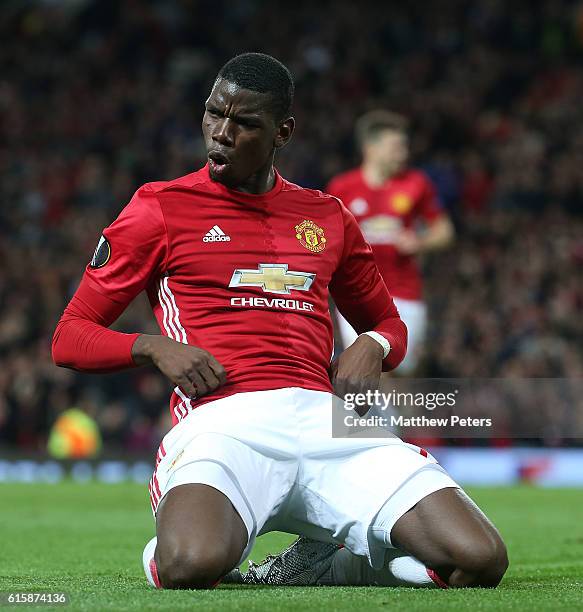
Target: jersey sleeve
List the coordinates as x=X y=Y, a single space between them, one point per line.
x=361 y=295
x=131 y=252
x=429 y=207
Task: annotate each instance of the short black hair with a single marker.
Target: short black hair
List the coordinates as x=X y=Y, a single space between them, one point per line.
x=370 y=125
x=264 y=74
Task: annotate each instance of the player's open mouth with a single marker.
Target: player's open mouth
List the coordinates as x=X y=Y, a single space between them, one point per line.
x=218 y=162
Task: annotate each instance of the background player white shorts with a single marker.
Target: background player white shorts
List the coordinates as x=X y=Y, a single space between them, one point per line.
x=414 y=315
x=273 y=455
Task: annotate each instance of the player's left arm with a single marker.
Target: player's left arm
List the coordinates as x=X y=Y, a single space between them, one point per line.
x=438 y=232
x=364 y=300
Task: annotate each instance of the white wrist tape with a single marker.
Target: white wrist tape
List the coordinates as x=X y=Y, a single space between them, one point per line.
x=381 y=340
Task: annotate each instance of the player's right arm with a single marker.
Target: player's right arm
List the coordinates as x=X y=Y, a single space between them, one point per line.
x=132 y=252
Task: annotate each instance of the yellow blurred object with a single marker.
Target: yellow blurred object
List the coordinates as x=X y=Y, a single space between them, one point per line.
x=75 y=435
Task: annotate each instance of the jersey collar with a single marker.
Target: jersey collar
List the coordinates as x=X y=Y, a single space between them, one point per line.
x=248 y=197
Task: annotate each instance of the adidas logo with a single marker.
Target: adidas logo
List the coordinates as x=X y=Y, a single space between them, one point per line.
x=216 y=234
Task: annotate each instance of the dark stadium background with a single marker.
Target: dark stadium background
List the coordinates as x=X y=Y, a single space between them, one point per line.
x=98 y=97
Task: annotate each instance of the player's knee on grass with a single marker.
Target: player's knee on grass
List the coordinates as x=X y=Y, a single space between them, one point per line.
x=472 y=561
x=200 y=537
x=448 y=533
x=480 y=562
x=198 y=566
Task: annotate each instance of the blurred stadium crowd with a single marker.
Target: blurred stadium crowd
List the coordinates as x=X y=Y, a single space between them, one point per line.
x=98 y=97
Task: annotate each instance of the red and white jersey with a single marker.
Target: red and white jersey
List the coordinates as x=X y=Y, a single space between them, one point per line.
x=385 y=211
x=245 y=277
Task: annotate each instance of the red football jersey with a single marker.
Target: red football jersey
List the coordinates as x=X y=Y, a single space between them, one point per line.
x=245 y=277
x=383 y=212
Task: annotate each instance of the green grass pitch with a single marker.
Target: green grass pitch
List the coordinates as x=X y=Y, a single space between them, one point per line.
x=87 y=539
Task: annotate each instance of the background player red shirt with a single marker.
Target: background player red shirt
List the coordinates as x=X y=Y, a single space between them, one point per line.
x=383 y=213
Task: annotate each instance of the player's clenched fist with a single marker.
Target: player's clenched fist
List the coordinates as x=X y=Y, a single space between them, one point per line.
x=358 y=368
x=193 y=369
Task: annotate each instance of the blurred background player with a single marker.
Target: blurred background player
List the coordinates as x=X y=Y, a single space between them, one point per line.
x=400 y=216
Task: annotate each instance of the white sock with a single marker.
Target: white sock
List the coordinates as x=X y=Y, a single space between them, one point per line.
x=147 y=557
x=400 y=570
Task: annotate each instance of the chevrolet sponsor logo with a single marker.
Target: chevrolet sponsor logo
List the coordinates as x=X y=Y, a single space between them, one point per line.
x=257 y=302
x=273 y=278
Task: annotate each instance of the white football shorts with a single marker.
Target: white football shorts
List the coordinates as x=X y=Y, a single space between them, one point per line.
x=273 y=455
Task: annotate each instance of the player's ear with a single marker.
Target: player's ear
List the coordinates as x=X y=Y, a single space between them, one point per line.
x=284 y=132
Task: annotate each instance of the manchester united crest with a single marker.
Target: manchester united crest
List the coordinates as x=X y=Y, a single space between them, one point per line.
x=311 y=236
x=402 y=203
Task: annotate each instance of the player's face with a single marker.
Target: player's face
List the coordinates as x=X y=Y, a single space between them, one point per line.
x=390 y=150
x=241 y=135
